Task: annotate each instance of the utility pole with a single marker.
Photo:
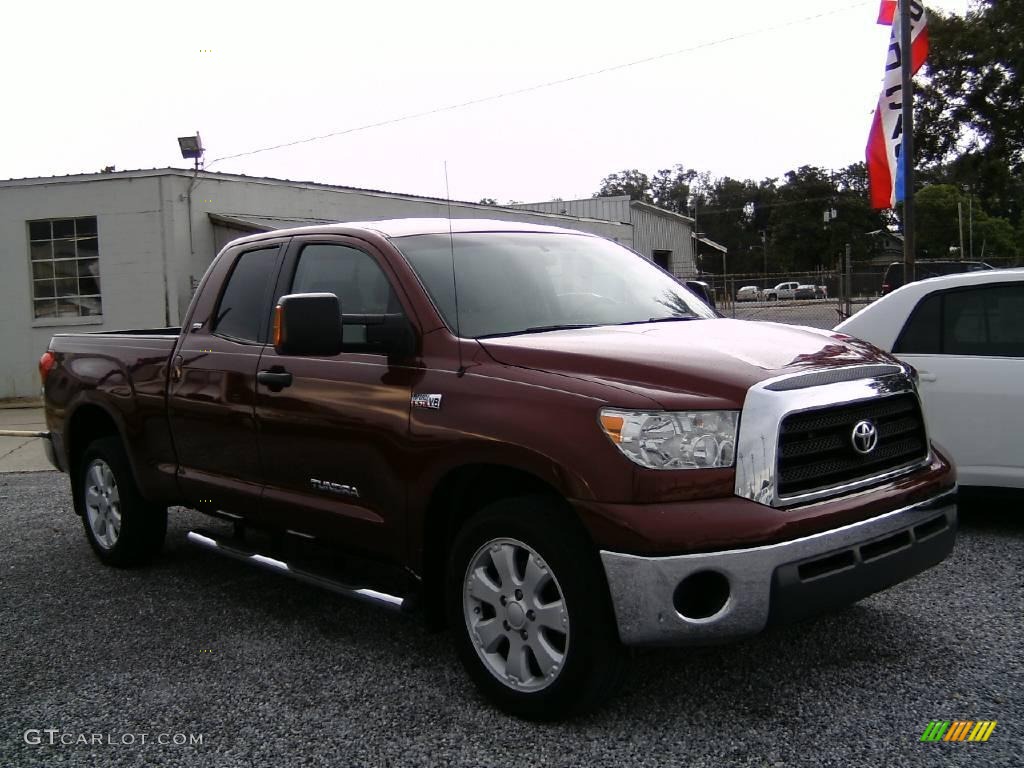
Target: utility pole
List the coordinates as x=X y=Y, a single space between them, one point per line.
x=970 y=220
x=764 y=247
x=960 y=219
x=907 y=150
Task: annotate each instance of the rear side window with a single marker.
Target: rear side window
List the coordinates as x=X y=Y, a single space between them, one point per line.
x=922 y=333
x=244 y=306
x=986 y=321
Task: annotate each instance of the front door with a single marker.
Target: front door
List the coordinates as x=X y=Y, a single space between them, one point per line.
x=213 y=384
x=334 y=442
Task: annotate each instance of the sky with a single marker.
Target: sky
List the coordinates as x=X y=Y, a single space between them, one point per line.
x=757 y=88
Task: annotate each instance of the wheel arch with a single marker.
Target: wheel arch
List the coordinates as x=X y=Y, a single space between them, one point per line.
x=458 y=495
x=89 y=422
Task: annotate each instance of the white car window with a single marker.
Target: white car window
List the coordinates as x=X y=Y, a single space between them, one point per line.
x=987 y=321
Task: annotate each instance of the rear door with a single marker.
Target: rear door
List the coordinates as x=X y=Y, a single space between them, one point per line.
x=968 y=347
x=335 y=441
x=213 y=383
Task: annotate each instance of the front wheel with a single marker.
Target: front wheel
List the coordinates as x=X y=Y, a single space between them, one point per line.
x=529 y=605
x=121 y=526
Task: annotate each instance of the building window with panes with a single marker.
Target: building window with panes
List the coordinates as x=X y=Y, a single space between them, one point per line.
x=65 y=268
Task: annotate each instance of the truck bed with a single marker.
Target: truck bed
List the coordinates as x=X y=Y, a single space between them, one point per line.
x=119 y=377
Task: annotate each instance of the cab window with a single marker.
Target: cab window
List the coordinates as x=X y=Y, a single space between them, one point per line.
x=363 y=290
x=244 y=306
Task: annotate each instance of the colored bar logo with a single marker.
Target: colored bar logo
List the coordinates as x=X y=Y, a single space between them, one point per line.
x=958 y=730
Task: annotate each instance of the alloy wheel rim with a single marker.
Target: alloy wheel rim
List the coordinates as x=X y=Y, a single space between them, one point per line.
x=102 y=503
x=515 y=614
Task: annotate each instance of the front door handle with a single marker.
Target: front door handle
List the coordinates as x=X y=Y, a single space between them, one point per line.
x=925 y=376
x=276 y=379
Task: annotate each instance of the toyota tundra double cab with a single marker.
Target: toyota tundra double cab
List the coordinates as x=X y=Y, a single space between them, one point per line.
x=531 y=435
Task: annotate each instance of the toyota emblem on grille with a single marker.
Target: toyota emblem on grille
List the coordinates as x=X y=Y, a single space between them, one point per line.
x=864 y=437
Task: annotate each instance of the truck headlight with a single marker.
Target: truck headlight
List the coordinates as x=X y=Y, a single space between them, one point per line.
x=674 y=439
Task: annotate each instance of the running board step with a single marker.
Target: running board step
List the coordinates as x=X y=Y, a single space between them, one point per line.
x=235 y=551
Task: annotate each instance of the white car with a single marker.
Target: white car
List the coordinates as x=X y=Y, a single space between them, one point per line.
x=748 y=293
x=965 y=336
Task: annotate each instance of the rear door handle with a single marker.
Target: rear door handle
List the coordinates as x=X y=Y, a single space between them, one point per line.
x=925 y=376
x=275 y=379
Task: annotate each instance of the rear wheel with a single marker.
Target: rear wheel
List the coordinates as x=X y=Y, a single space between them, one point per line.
x=122 y=527
x=532 y=620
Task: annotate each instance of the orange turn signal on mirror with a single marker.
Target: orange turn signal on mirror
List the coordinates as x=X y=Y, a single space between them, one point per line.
x=278 y=325
x=612 y=427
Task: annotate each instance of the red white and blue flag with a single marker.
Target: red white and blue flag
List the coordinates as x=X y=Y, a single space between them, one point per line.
x=884 y=158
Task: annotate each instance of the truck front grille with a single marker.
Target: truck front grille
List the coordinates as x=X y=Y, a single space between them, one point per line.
x=816 y=448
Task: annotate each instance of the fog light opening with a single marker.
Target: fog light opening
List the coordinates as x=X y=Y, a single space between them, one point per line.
x=701 y=595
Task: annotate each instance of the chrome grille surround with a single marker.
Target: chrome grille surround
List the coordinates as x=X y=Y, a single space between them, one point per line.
x=765 y=408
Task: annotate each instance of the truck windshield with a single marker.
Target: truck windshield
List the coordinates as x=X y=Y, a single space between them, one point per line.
x=525 y=282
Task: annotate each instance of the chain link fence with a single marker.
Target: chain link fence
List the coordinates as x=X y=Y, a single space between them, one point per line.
x=819 y=299
x=822 y=299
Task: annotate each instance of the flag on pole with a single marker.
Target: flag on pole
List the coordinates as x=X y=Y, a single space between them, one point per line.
x=885 y=173
x=886 y=12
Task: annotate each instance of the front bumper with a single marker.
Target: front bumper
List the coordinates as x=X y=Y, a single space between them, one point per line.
x=775 y=582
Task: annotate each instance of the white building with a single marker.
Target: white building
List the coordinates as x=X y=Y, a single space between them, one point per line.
x=110 y=251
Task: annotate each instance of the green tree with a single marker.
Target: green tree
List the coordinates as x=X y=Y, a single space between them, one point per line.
x=670 y=188
x=969 y=120
x=628 y=182
x=938 y=223
x=801 y=239
x=942 y=209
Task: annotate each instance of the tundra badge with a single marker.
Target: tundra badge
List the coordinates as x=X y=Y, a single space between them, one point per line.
x=338 y=488
x=427 y=401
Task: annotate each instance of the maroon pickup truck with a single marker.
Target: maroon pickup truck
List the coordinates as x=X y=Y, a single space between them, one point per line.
x=531 y=435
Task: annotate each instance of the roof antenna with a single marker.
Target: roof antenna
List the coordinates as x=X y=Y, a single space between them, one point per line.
x=455 y=282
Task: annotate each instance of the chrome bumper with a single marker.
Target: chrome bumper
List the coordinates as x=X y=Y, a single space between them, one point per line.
x=779 y=581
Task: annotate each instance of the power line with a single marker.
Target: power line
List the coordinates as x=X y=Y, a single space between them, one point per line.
x=548 y=84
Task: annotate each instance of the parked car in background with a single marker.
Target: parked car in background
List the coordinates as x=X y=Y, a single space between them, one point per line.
x=965 y=335
x=794 y=290
x=781 y=291
x=893 y=277
x=748 y=293
x=811 y=292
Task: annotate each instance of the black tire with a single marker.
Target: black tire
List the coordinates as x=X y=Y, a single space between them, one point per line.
x=591 y=654
x=139 y=536
x=773 y=298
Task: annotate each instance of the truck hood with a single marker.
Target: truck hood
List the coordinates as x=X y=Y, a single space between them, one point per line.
x=685 y=364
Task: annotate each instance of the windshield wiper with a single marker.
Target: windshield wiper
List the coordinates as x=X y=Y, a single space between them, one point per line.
x=538 y=329
x=671 y=319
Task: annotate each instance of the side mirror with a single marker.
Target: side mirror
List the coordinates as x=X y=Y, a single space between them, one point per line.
x=308 y=324
x=703 y=291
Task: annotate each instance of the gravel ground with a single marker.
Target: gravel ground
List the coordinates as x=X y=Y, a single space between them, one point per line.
x=271 y=672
